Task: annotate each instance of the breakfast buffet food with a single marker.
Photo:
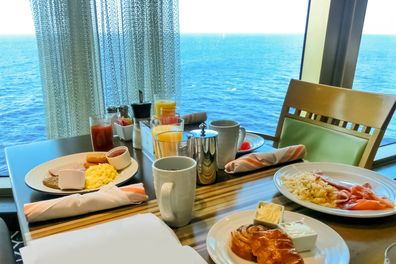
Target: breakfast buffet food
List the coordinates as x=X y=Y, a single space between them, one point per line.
x=97 y=176
x=316 y=188
x=91 y=173
x=269 y=214
x=272 y=241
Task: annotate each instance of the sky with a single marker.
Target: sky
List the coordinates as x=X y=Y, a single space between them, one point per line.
x=225 y=16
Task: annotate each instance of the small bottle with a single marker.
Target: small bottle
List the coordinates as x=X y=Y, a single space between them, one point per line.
x=113 y=113
x=124 y=112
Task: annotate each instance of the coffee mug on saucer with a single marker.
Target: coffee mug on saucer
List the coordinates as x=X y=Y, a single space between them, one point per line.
x=174 y=184
x=230 y=138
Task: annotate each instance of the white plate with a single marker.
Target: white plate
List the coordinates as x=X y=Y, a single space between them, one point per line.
x=255 y=141
x=330 y=247
x=382 y=186
x=34 y=178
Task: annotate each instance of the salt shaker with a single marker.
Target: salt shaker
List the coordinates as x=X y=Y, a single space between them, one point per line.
x=113 y=113
x=203 y=144
x=141 y=112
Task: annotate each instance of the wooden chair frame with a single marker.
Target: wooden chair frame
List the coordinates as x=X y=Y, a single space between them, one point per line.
x=357 y=113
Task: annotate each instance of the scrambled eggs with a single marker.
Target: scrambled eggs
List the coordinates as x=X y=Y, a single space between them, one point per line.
x=309 y=188
x=99 y=175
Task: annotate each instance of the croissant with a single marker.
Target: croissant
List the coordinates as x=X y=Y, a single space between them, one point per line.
x=275 y=247
x=241 y=240
x=257 y=243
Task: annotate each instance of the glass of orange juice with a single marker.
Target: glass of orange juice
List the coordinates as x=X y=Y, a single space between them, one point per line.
x=171 y=143
x=164 y=106
x=163 y=124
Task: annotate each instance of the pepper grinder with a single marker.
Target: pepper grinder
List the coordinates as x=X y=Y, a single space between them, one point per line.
x=141 y=112
x=203 y=145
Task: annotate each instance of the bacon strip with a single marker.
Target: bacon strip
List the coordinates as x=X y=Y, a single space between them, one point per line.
x=357 y=197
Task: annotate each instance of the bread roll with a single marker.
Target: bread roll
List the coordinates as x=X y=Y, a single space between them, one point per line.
x=89 y=164
x=96 y=158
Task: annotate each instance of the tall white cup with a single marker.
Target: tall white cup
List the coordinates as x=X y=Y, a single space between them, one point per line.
x=174 y=184
x=230 y=138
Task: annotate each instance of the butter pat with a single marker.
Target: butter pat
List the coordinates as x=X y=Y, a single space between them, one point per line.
x=269 y=214
x=304 y=237
x=71 y=179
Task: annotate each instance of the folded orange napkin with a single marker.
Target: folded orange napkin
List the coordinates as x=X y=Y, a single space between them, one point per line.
x=254 y=161
x=109 y=196
x=195 y=118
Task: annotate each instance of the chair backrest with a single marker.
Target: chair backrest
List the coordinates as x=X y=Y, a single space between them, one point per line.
x=335 y=124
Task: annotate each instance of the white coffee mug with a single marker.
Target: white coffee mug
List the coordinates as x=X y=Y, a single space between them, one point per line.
x=230 y=139
x=390 y=254
x=174 y=184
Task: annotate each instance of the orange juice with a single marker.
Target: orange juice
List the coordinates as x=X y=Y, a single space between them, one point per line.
x=165 y=107
x=163 y=128
x=166 y=143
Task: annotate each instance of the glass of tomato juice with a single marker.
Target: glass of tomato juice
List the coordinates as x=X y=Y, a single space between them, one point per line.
x=101 y=133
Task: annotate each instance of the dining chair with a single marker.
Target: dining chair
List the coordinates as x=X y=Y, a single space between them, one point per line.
x=335 y=124
x=6 y=251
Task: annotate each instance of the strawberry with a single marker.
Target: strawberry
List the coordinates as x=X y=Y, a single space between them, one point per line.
x=245 y=145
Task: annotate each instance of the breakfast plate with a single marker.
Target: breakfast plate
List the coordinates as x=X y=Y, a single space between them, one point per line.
x=345 y=174
x=330 y=248
x=254 y=140
x=34 y=178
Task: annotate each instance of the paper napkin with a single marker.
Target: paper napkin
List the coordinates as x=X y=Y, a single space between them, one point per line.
x=142 y=238
x=254 y=161
x=109 y=196
x=194 y=118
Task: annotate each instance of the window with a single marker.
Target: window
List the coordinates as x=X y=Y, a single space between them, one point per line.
x=22 y=117
x=237 y=58
x=376 y=66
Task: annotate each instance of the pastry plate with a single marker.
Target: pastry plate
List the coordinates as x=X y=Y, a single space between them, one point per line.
x=330 y=248
x=255 y=141
x=347 y=174
x=34 y=178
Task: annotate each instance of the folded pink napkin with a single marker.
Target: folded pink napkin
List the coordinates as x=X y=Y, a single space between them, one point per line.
x=195 y=118
x=254 y=161
x=109 y=196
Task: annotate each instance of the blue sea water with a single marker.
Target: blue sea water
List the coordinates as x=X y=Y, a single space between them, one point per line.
x=240 y=77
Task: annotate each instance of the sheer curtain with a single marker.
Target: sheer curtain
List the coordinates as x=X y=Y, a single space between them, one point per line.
x=100 y=53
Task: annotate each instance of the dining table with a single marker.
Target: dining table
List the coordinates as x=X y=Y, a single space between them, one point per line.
x=366 y=238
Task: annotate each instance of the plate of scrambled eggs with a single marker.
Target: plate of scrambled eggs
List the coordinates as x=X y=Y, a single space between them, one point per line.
x=300 y=183
x=95 y=176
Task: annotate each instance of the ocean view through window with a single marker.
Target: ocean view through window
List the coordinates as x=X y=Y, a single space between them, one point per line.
x=376 y=66
x=237 y=58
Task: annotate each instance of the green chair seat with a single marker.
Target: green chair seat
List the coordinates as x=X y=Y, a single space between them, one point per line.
x=322 y=144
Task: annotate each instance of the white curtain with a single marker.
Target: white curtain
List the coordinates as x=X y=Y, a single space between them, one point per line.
x=100 y=53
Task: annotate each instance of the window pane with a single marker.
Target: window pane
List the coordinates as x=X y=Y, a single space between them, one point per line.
x=376 y=66
x=237 y=58
x=22 y=117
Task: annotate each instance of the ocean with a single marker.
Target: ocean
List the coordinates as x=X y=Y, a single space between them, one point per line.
x=239 y=77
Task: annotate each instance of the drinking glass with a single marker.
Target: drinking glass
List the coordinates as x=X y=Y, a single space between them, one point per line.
x=164 y=106
x=101 y=133
x=159 y=125
x=172 y=143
